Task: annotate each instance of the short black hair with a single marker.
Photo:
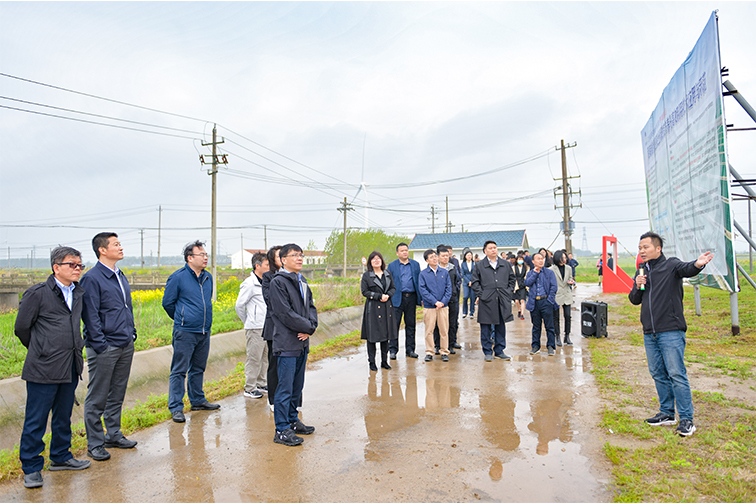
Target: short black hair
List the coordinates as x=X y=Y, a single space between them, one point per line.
x=657 y=240
x=427 y=254
x=609 y=254
x=101 y=241
x=288 y=248
x=59 y=253
x=258 y=258
x=402 y=244
x=488 y=242
x=373 y=254
x=189 y=248
x=272 y=258
x=442 y=248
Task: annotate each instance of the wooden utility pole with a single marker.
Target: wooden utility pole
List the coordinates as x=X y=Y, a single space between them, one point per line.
x=160 y=225
x=214 y=224
x=345 y=207
x=447 y=214
x=141 y=232
x=433 y=219
x=265 y=227
x=566 y=193
x=242 y=254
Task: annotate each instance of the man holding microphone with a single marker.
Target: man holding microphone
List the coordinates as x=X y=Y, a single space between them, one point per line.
x=658 y=289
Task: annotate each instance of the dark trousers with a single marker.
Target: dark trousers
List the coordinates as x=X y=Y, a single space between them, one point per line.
x=567 y=319
x=499 y=335
x=272 y=373
x=190 y=351
x=468 y=295
x=543 y=312
x=408 y=309
x=108 y=377
x=371 y=351
x=41 y=398
x=291 y=373
x=453 y=325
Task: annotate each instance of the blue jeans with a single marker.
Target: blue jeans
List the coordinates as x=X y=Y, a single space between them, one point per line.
x=291 y=371
x=190 y=351
x=40 y=399
x=665 y=352
x=543 y=312
x=468 y=294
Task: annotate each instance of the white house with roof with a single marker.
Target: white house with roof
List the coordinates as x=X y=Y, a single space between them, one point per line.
x=506 y=241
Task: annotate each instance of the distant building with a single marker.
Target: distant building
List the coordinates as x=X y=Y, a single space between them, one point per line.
x=312 y=258
x=506 y=241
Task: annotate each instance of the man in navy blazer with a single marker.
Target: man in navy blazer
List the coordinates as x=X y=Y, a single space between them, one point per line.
x=406 y=299
x=542 y=303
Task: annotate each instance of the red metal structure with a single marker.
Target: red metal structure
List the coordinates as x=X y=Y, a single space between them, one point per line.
x=615 y=280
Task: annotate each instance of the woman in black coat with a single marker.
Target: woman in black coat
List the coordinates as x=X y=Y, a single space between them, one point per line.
x=378 y=323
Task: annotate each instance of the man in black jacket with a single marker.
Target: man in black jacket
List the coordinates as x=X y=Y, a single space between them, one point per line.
x=444 y=261
x=49 y=326
x=294 y=321
x=658 y=289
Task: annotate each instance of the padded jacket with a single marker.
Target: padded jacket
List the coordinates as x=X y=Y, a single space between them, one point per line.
x=291 y=314
x=188 y=300
x=51 y=332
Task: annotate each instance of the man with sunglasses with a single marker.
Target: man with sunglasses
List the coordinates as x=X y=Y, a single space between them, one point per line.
x=109 y=334
x=49 y=326
x=188 y=300
x=294 y=321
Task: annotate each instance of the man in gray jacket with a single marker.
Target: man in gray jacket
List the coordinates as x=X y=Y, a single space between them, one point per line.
x=251 y=308
x=49 y=326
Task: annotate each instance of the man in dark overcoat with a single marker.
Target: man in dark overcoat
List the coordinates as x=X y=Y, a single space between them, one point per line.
x=493 y=282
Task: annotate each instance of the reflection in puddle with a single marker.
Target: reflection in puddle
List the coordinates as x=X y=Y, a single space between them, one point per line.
x=549 y=422
x=496 y=470
x=497 y=413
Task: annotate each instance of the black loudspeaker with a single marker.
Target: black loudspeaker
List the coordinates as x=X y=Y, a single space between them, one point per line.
x=593 y=319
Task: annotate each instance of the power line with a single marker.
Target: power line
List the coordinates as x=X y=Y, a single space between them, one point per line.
x=101 y=98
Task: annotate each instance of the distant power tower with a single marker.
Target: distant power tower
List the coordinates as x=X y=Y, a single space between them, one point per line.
x=585 y=240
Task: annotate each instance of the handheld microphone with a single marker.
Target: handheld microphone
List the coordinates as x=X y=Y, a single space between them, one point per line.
x=640 y=272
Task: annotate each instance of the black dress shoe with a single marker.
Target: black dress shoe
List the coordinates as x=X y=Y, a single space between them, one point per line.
x=445 y=358
x=452 y=351
x=33 y=480
x=178 y=416
x=373 y=367
x=122 y=443
x=70 y=465
x=385 y=365
x=98 y=453
x=428 y=357
x=438 y=352
x=457 y=346
x=411 y=354
x=392 y=356
x=205 y=406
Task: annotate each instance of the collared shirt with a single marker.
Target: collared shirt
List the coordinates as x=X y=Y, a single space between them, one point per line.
x=301 y=284
x=405 y=274
x=67 y=292
x=493 y=263
x=120 y=284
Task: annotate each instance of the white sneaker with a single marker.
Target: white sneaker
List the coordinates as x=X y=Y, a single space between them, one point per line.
x=255 y=394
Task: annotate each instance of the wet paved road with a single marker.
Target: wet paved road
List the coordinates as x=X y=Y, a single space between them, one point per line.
x=466 y=430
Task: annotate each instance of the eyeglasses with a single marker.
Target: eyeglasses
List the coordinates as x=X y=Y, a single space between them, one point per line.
x=74 y=265
x=299 y=255
x=203 y=254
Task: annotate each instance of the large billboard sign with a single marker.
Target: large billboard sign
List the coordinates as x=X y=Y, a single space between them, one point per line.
x=685 y=157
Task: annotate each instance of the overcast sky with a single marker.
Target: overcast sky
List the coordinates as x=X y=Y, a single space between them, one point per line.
x=305 y=94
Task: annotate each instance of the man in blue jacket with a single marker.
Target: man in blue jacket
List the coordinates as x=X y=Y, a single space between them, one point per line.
x=294 y=321
x=436 y=291
x=542 y=303
x=406 y=299
x=659 y=291
x=109 y=334
x=188 y=300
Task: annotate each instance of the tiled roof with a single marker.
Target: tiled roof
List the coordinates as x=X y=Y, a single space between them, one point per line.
x=476 y=240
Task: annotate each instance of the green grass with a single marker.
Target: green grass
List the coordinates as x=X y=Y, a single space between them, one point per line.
x=652 y=463
x=154 y=409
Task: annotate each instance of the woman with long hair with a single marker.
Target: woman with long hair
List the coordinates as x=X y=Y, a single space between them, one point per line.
x=378 y=323
x=468 y=265
x=520 y=293
x=274 y=263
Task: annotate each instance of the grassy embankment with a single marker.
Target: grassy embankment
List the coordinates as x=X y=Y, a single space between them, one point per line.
x=652 y=463
x=154 y=327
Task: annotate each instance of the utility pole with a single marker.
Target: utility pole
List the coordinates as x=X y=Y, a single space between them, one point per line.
x=447 y=215
x=265 y=227
x=566 y=193
x=242 y=254
x=585 y=240
x=160 y=225
x=345 y=207
x=433 y=219
x=141 y=232
x=213 y=233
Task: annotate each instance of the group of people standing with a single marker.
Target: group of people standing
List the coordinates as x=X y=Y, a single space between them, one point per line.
x=491 y=285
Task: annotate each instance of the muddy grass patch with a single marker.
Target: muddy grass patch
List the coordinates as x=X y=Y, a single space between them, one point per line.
x=653 y=463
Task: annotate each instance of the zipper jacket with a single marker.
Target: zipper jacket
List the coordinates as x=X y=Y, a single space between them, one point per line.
x=188 y=300
x=291 y=313
x=662 y=300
